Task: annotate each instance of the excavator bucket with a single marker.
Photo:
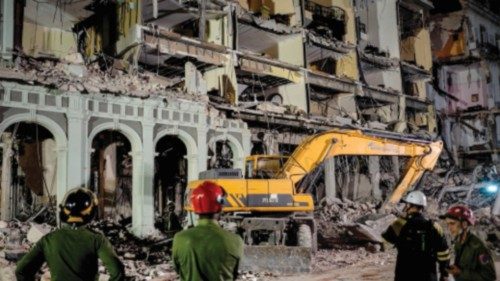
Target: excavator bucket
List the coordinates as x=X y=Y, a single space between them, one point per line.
x=283 y=260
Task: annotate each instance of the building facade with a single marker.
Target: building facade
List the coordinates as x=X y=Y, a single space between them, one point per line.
x=466 y=42
x=135 y=98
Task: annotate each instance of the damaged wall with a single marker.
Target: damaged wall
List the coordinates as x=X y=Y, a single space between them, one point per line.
x=448 y=35
x=286 y=50
x=346 y=6
x=129 y=20
x=417 y=49
x=380 y=25
x=467 y=83
x=345 y=65
x=343 y=104
x=47 y=29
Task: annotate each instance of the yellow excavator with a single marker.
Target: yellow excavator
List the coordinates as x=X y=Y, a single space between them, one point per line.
x=272 y=213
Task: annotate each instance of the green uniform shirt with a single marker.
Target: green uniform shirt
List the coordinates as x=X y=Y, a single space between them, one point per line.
x=474 y=260
x=207 y=252
x=71 y=254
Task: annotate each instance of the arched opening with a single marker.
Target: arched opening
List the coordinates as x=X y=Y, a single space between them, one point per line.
x=28 y=173
x=170 y=180
x=111 y=175
x=220 y=155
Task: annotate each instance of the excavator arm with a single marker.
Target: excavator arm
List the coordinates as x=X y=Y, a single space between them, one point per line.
x=316 y=149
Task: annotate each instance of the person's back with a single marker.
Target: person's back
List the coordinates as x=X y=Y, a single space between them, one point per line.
x=420 y=243
x=71 y=254
x=417 y=247
x=207 y=252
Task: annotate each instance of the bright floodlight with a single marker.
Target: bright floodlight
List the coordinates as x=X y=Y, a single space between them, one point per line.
x=492 y=188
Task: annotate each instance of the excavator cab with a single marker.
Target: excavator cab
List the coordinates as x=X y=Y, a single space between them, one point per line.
x=263 y=166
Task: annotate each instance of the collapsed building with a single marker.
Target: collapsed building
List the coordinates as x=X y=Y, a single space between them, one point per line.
x=465 y=40
x=133 y=99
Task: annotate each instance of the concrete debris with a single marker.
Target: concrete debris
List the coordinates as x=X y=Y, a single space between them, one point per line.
x=74 y=58
x=7 y=270
x=327 y=259
x=376 y=125
x=269 y=25
x=335 y=219
x=93 y=78
x=330 y=43
x=380 y=61
x=3 y=225
x=37 y=231
x=194 y=84
x=270 y=107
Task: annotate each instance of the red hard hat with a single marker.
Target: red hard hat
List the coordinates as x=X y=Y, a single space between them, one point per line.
x=207 y=198
x=461 y=213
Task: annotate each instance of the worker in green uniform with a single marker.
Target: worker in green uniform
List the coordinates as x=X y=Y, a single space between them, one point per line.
x=419 y=241
x=72 y=251
x=207 y=252
x=473 y=260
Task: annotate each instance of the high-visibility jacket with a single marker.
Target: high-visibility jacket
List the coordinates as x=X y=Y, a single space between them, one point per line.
x=421 y=244
x=474 y=260
x=207 y=252
x=71 y=254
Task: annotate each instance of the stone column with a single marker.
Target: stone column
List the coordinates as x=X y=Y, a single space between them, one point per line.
x=374 y=171
x=143 y=193
x=202 y=153
x=77 y=142
x=330 y=184
x=6 y=184
x=192 y=169
x=7 y=40
x=61 y=177
x=138 y=216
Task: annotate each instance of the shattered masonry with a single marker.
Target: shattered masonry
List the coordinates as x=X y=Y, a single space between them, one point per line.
x=120 y=91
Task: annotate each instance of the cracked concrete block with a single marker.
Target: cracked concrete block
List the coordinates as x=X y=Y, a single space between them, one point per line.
x=77 y=70
x=74 y=58
x=7 y=273
x=36 y=232
x=377 y=125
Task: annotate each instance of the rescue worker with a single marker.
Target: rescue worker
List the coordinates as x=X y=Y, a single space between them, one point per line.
x=207 y=252
x=420 y=243
x=473 y=260
x=72 y=251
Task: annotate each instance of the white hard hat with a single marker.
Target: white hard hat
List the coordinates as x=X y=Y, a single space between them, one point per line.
x=416 y=198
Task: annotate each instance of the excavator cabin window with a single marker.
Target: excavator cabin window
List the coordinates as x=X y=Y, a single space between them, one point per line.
x=264 y=166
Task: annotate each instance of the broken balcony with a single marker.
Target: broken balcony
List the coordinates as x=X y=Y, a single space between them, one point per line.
x=260 y=77
x=167 y=53
x=376 y=59
x=413 y=73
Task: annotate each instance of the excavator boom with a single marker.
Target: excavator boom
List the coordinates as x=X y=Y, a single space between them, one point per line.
x=316 y=149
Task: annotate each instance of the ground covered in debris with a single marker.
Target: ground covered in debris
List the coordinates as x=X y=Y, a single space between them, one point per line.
x=349 y=240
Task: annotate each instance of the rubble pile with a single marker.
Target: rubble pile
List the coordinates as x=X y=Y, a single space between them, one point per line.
x=73 y=75
x=144 y=259
x=16 y=238
x=331 y=259
x=488 y=228
x=344 y=222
